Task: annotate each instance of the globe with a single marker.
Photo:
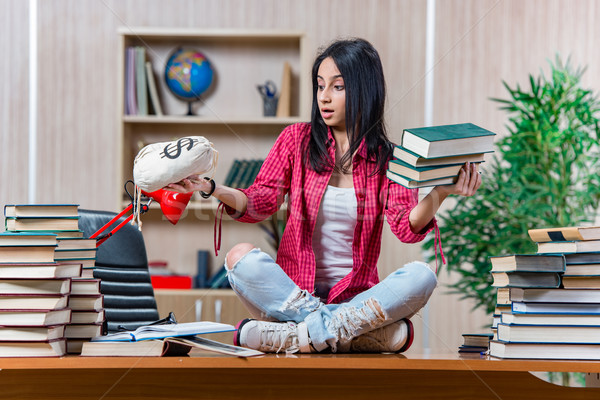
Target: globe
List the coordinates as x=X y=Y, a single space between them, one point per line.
x=188 y=75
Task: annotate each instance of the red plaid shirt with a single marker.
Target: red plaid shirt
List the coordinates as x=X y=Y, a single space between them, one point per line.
x=285 y=172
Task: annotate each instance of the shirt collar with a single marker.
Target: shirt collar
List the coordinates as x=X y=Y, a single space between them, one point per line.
x=362 y=148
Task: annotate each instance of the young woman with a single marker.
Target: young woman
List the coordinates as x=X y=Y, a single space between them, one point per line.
x=323 y=292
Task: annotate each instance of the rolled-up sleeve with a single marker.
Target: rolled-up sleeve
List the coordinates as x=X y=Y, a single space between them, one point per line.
x=272 y=183
x=400 y=202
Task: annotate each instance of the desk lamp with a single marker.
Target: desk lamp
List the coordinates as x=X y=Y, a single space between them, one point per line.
x=172 y=205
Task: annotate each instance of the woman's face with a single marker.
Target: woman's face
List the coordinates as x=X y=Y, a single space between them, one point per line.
x=331 y=95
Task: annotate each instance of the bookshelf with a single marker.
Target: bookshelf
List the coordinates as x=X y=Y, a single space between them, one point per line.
x=230 y=115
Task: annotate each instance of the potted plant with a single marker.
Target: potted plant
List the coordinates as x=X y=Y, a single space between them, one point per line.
x=545 y=173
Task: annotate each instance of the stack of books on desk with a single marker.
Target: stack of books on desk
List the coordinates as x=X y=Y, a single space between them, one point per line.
x=61 y=220
x=433 y=156
x=52 y=230
x=34 y=295
x=547 y=319
x=87 y=318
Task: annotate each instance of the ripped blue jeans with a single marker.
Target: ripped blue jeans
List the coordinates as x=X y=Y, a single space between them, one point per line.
x=269 y=294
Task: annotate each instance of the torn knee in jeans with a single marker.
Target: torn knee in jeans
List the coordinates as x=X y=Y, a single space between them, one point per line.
x=301 y=300
x=236 y=254
x=348 y=320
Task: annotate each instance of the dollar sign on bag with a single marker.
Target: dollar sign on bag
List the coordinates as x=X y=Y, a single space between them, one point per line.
x=180 y=144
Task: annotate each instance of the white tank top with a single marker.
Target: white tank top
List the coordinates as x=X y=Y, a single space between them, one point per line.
x=333 y=236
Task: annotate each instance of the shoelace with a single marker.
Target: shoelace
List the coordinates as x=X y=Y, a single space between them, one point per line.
x=279 y=336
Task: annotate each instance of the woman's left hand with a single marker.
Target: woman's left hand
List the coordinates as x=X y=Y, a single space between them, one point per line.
x=469 y=180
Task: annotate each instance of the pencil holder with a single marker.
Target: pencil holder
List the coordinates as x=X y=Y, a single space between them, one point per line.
x=270 y=106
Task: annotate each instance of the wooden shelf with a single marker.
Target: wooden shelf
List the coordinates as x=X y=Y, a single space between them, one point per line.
x=226 y=35
x=182 y=120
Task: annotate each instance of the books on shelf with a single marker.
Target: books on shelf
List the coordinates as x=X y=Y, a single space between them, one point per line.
x=130 y=85
x=242 y=173
x=526 y=279
x=35 y=317
x=528 y=263
x=560 y=351
x=565 y=234
x=578 y=246
x=141 y=88
x=41 y=210
x=415 y=160
x=147 y=332
x=423 y=173
x=152 y=90
x=413 y=184
x=51 y=348
x=447 y=140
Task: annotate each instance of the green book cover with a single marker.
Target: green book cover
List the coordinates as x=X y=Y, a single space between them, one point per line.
x=449 y=132
x=232 y=172
x=237 y=178
x=256 y=165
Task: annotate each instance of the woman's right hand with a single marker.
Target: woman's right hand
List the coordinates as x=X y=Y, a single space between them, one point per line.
x=192 y=183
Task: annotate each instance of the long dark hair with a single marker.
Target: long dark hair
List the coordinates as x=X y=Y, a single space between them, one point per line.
x=361 y=68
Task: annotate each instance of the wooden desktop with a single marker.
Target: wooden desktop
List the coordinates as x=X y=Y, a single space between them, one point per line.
x=357 y=376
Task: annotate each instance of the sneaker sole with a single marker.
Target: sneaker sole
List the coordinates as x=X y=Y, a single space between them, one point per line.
x=410 y=335
x=238 y=327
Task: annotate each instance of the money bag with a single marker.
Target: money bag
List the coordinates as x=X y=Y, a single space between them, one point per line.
x=158 y=164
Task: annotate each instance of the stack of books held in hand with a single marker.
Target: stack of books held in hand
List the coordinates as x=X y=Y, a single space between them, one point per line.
x=42 y=258
x=549 y=302
x=434 y=155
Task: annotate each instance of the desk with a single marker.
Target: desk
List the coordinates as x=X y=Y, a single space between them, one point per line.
x=357 y=376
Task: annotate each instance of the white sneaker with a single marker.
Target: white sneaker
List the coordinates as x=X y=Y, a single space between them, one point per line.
x=394 y=338
x=272 y=337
